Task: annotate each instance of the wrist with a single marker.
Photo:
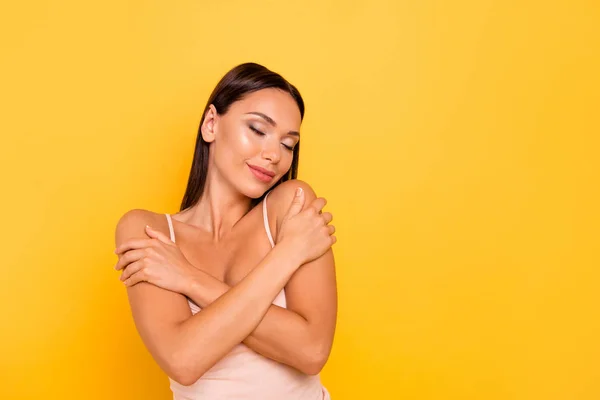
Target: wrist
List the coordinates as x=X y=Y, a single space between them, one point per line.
x=288 y=255
x=192 y=285
x=203 y=288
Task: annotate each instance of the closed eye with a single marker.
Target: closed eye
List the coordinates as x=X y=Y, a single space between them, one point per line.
x=256 y=131
x=290 y=148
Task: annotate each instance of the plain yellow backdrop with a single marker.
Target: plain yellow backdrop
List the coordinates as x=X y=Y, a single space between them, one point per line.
x=456 y=142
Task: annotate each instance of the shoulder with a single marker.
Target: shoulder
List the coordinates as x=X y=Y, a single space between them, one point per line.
x=284 y=192
x=132 y=224
x=280 y=198
x=136 y=217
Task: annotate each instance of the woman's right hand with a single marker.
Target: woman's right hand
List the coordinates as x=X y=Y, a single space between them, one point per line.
x=306 y=233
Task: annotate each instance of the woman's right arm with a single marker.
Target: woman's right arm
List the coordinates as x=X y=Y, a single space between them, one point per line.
x=186 y=346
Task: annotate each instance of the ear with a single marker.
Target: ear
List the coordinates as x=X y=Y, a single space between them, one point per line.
x=209 y=126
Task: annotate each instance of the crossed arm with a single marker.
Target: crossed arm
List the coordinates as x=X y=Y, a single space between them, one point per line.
x=186 y=346
x=300 y=335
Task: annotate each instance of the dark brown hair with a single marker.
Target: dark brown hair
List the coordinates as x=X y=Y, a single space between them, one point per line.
x=237 y=83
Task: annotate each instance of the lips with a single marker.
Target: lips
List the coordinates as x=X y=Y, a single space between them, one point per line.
x=262 y=174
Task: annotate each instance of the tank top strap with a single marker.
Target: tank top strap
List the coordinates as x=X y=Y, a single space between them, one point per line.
x=171 y=230
x=266 y=221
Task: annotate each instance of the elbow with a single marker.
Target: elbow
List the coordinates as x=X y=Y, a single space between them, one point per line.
x=314 y=360
x=312 y=368
x=183 y=372
x=183 y=377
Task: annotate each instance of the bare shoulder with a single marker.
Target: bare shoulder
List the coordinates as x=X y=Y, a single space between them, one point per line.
x=146 y=300
x=132 y=224
x=281 y=197
x=284 y=193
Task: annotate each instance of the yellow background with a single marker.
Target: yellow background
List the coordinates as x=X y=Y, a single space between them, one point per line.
x=457 y=144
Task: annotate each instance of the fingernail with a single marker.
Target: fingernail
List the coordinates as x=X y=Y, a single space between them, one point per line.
x=149 y=227
x=298 y=191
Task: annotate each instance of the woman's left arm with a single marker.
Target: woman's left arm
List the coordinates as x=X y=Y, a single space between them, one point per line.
x=300 y=335
x=305 y=330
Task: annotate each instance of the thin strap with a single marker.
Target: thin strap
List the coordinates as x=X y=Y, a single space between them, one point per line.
x=171 y=230
x=266 y=220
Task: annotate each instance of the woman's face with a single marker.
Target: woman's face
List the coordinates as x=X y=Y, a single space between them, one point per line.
x=252 y=144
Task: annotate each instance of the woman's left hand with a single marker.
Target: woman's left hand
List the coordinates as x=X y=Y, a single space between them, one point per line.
x=156 y=260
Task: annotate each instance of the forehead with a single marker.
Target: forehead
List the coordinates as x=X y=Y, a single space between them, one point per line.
x=275 y=103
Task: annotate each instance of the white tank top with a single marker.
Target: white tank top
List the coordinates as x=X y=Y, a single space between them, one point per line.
x=245 y=374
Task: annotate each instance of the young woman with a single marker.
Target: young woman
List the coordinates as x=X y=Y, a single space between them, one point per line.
x=261 y=272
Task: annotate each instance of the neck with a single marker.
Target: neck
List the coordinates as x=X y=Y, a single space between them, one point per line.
x=219 y=209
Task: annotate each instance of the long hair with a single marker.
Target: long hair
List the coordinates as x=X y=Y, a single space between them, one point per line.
x=237 y=83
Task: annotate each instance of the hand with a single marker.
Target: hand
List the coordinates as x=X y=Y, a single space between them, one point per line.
x=157 y=261
x=307 y=232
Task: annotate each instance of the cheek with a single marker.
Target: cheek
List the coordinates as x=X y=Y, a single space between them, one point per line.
x=286 y=160
x=246 y=143
x=289 y=164
x=235 y=144
x=242 y=143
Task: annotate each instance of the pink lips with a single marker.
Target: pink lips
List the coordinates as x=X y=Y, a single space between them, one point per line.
x=262 y=174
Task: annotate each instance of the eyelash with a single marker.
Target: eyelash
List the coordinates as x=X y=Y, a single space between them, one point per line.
x=263 y=134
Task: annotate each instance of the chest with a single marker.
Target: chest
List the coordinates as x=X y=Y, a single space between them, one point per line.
x=232 y=259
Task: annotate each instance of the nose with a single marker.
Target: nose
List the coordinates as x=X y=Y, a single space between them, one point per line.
x=272 y=152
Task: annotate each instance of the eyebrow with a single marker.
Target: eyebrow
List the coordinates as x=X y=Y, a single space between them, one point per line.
x=272 y=122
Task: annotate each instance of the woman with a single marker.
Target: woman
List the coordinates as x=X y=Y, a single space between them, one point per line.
x=262 y=272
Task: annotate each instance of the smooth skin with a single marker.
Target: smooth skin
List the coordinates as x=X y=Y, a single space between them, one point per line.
x=223 y=261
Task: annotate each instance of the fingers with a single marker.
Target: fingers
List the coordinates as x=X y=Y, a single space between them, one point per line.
x=331 y=229
x=297 y=203
x=318 y=204
x=158 y=235
x=131 y=269
x=136 y=278
x=129 y=257
x=135 y=244
x=327 y=217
